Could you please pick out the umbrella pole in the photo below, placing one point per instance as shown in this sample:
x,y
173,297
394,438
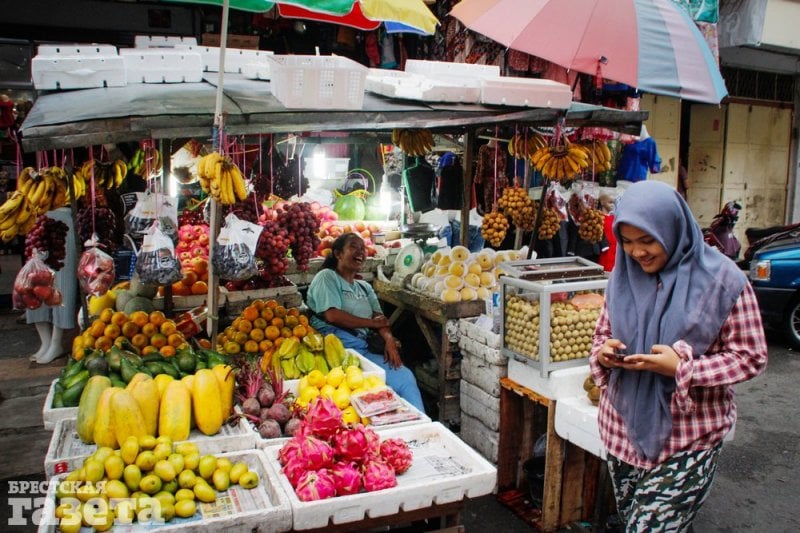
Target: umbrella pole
x,y
213,280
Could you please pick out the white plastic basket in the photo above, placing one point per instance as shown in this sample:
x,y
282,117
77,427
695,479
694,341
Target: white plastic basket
x,y
162,65
317,82
77,67
263,509
67,452
50,414
460,73
163,41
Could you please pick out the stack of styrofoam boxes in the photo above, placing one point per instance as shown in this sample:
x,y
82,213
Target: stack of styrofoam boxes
x,y
77,67
482,366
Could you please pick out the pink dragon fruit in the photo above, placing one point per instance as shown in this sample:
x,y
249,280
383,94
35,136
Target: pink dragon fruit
x,y
315,485
294,470
289,449
346,477
314,453
323,418
351,444
373,443
396,453
378,475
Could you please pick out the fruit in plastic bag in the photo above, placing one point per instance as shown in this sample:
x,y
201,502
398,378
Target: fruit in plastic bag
x,y
33,286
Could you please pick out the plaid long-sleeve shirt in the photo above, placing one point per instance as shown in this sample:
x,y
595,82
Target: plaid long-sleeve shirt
x,y
702,406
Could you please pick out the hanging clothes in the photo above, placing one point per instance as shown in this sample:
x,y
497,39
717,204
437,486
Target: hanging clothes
x,y
420,182
485,174
451,182
639,158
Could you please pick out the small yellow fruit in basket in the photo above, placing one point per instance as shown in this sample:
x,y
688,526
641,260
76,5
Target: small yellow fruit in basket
x,y
350,415
335,376
468,294
451,295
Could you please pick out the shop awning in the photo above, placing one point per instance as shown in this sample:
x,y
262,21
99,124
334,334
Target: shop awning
x,y
163,111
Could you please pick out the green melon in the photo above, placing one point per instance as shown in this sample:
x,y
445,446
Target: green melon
x,y
350,207
138,303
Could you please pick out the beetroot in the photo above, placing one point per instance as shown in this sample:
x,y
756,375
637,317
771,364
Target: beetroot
x,y
269,429
396,453
315,485
251,407
279,412
266,395
346,478
292,426
351,444
378,475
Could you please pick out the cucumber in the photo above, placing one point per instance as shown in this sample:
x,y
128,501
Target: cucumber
x,y
58,400
83,375
153,357
72,395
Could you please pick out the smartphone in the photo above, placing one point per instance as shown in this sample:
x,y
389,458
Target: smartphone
x,y
619,356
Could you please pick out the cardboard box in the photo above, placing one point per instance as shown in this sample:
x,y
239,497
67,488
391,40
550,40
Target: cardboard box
x,y
249,42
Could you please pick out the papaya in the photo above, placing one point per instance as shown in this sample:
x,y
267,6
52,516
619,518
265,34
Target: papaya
x,y
145,392
206,404
227,383
87,406
126,417
174,412
140,376
162,380
103,431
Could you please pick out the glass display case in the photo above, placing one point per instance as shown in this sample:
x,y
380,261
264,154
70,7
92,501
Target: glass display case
x,y
549,310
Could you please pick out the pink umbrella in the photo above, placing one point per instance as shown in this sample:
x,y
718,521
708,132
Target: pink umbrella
x,y
652,45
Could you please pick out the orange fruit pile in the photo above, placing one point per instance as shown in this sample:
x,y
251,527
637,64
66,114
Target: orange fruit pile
x,y
261,327
195,280
149,333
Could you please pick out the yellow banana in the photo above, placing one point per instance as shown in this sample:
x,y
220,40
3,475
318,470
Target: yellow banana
x,y
38,191
25,212
239,186
8,234
225,187
8,221
11,205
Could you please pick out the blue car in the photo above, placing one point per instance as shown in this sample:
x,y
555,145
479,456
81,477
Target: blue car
x,y
775,276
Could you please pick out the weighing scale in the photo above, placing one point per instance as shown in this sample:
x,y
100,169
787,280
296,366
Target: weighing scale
x,y
411,256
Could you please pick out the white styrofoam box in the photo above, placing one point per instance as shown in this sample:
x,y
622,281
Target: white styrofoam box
x,y
487,354
67,451
457,72
443,470
50,414
479,404
484,376
368,368
263,509
317,82
562,383
163,41
528,92
483,439
235,58
400,84
162,65
576,422
483,335
77,67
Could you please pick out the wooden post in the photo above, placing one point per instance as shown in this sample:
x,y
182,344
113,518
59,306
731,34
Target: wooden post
x,y
469,145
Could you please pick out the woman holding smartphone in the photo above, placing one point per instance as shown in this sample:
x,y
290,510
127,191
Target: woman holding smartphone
x,y
679,328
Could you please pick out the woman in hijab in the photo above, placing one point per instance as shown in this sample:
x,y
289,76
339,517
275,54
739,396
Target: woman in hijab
x,y
680,327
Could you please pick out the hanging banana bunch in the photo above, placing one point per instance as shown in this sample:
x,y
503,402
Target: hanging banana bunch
x,y
144,160
221,178
107,174
599,154
561,163
524,145
36,194
414,142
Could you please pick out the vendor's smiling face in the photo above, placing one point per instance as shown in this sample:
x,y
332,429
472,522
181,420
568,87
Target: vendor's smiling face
x,y
643,248
353,254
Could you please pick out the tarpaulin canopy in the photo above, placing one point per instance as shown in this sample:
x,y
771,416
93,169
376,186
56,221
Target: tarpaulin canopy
x,y
161,111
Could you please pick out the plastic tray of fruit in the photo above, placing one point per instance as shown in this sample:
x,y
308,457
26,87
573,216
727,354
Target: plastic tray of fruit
x,y
444,469
264,508
51,415
66,450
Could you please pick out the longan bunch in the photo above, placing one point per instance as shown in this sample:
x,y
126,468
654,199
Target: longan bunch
x,y
515,202
494,228
591,229
550,224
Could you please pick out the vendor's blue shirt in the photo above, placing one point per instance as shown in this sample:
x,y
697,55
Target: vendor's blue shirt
x,y
328,290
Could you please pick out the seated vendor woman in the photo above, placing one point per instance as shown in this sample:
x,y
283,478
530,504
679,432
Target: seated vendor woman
x,y
349,308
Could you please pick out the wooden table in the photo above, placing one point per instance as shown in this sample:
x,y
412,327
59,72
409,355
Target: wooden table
x,y
430,313
576,486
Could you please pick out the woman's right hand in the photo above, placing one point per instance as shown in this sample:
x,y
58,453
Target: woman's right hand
x,y
610,353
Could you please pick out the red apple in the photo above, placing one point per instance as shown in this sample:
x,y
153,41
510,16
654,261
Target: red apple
x,y
198,251
359,227
185,256
202,239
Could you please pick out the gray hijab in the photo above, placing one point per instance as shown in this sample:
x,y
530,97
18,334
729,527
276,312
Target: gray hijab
x,y
698,288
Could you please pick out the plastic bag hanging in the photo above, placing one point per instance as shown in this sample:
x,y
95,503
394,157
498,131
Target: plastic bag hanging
x,y
234,255
156,262
150,208
33,286
95,269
